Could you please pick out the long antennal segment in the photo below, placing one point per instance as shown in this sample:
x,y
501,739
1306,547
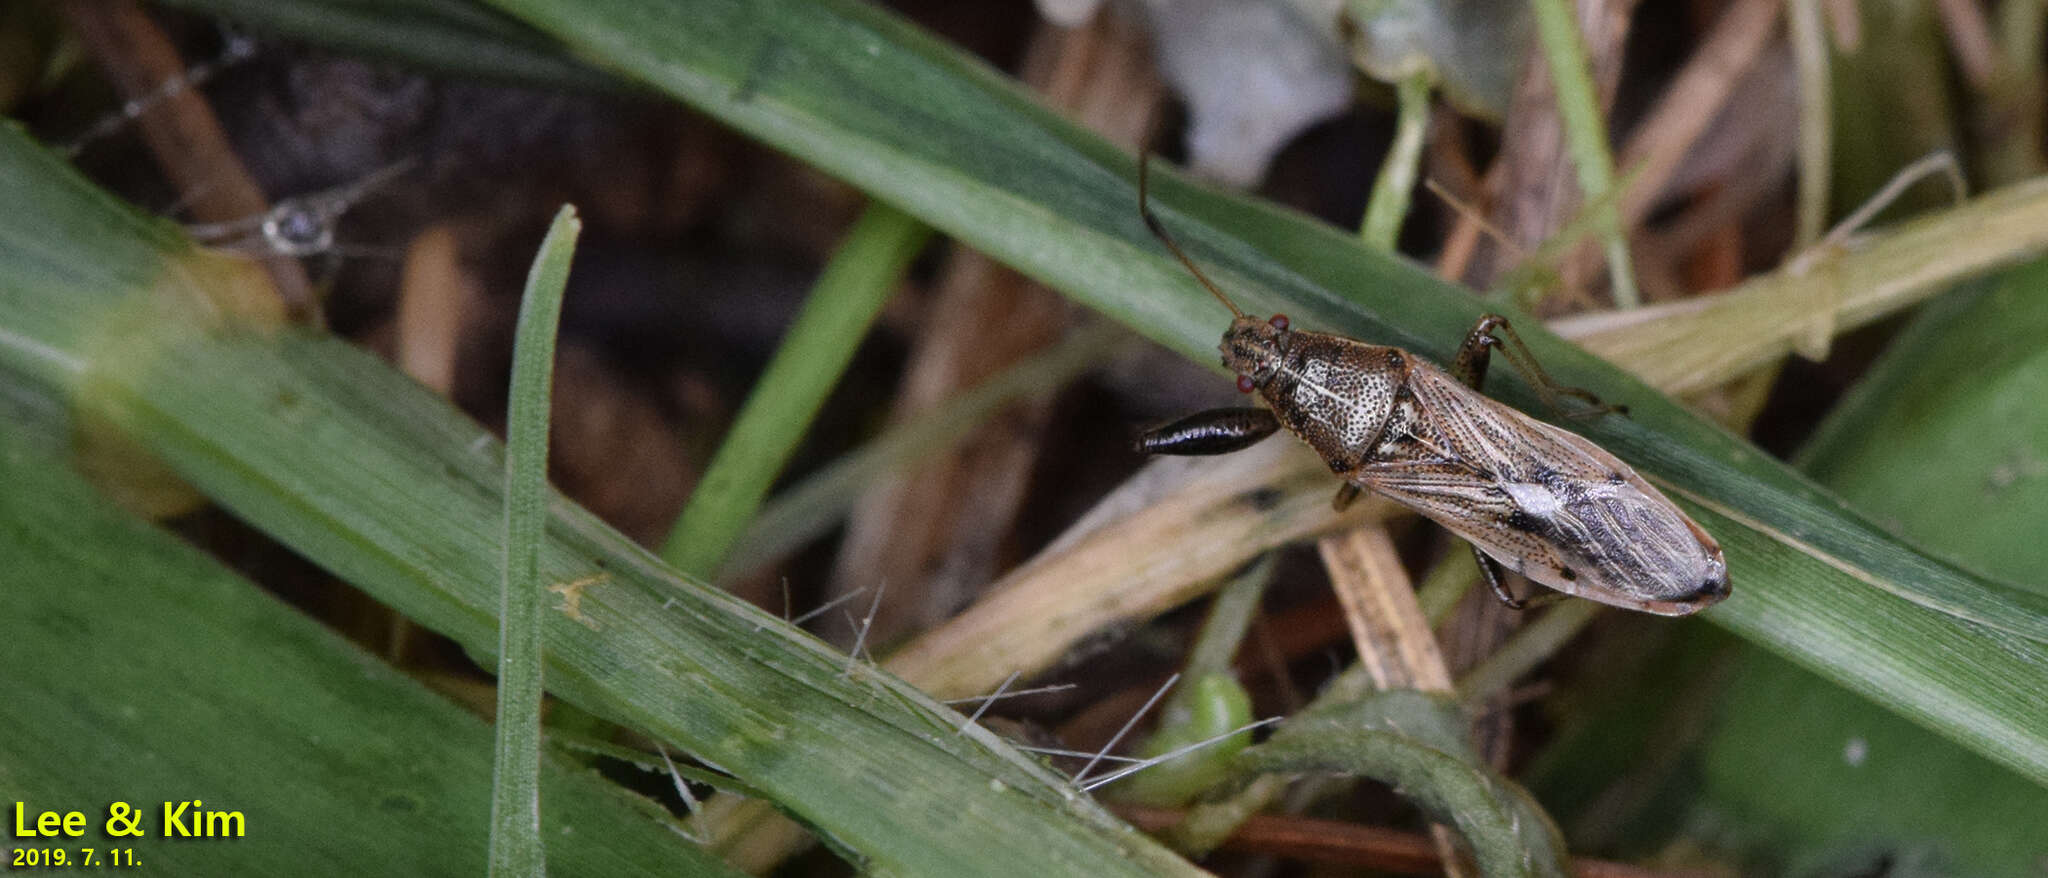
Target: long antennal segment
x,y
1159,231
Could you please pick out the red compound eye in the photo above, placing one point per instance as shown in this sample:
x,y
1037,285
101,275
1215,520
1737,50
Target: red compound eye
x,y
1245,385
1279,322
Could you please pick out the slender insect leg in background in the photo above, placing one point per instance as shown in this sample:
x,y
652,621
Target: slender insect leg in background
x,y
1493,331
1490,332
1346,495
1216,431
1491,569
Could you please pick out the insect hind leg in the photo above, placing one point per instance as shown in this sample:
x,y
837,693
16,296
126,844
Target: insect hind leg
x,y
1493,331
1494,574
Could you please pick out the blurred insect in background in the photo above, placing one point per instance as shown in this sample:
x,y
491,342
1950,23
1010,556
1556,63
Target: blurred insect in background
x,y
1537,499
298,226
295,227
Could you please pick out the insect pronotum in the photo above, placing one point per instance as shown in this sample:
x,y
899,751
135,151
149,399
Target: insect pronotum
x,y
1537,499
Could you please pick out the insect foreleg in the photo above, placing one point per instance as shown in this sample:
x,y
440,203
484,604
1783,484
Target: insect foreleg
x,y
1216,431
1493,331
1346,495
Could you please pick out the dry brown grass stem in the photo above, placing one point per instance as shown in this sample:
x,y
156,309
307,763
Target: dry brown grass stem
x,y
936,532
1693,344
1387,625
1691,103
1969,36
1180,523
1394,641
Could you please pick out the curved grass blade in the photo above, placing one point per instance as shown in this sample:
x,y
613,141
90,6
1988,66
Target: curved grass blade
x,y
1416,744
515,785
958,145
807,509
913,121
1946,437
141,671
909,119
363,471
455,36
863,273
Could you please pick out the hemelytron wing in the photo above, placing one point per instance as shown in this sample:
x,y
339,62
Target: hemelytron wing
x,y
1543,501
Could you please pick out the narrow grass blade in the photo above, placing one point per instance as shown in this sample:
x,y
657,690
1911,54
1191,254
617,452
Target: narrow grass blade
x,y
1585,131
808,509
364,472
850,88
1816,117
1946,437
865,270
1393,188
516,848
945,138
908,118
454,36
1416,744
140,671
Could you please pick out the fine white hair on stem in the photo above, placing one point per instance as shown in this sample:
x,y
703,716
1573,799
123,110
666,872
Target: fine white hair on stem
x,y
682,789
852,656
986,702
1477,217
1077,754
828,605
860,637
1176,753
59,359
1081,778
1014,693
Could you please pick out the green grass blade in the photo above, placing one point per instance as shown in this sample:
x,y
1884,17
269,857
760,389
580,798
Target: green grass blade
x,y
1946,437
916,122
811,507
1816,118
862,274
1416,743
1827,773
454,36
895,112
951,141
1392,189
141,671
516,847
1937,439
361,470
1585,131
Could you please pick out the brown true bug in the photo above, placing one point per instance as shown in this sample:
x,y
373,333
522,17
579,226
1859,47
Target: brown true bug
x,y
1543,501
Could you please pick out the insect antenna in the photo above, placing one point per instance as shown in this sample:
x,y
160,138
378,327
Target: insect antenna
x,y
1159,231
